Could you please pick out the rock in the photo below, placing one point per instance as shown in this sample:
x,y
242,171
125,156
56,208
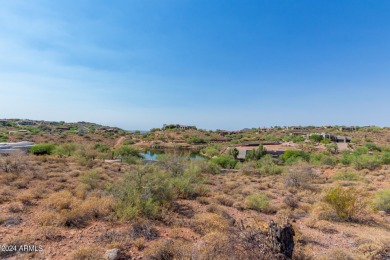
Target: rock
x,y
112,254
12,221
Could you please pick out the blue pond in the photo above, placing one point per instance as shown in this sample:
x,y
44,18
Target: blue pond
x,y
153,154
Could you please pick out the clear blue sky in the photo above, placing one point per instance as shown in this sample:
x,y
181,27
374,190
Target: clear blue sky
x,y
215,64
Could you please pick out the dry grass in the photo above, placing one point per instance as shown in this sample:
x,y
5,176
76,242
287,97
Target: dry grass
x,y
89,252
209,222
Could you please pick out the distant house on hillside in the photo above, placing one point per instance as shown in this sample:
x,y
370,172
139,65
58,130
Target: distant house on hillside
x,y
296,128
347,128
26,122
224,132
335,138
177,126
63,128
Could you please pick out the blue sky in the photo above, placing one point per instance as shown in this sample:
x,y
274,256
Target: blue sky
x,y
215,64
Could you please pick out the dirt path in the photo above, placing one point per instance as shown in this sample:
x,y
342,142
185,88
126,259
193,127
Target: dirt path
x,y
120,141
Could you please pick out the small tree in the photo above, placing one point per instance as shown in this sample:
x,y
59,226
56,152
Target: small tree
x,y
315,138
256,154
234,152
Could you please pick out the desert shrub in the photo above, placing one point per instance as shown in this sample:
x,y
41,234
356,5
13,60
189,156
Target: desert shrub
x,y
173,164
366,161
225,161
315,138
105,148
360,151
196,140
266,165
375,250
3,137
208,222
91,179
127,150
298,139
86,252
346,175
96,207
382,200
60,200
346,158
208,167
337,254
257,201
255,154
299,177
187,185
324,158
329,160
63,209
67,149
292,202
13,163
143,192
223,213
42,149
211,150
86,153
386,158
225,200
144,230
169,249
372,147
148,190
348,203
292,156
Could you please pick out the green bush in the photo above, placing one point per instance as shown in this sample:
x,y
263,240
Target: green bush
x,y
42,149
128,150
292,156
149,190
366,161
91,179
102,148
257,201
386,158
255,154
323,159
3,138
143,192
67,149
346,158
266,165
298,139
196,140
346,175
225,161
382,200
211,150
208,167
348,203
372,147
315,138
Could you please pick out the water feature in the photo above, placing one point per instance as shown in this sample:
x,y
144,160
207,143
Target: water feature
x,y
153,154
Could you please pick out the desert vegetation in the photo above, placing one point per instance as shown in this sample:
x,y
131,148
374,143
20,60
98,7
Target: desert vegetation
x,y
79,197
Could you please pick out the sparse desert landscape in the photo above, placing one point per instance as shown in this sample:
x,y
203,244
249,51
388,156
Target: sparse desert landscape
x,y
88,194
